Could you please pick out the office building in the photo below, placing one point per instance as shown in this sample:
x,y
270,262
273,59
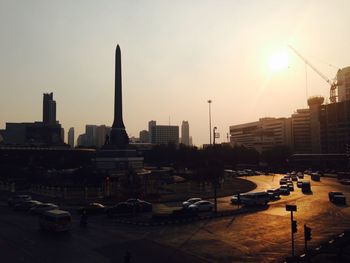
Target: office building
x,y
164,134
263,134
49,109
185,133
46,133
150,125
71,137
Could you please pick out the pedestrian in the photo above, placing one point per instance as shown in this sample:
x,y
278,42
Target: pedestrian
x,y
83,219
127,257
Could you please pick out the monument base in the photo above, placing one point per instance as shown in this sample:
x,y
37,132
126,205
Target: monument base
x,y
111,159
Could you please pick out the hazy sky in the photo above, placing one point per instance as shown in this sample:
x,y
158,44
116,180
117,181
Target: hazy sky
x,y
175,56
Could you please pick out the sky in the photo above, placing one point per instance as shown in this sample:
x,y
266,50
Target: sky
x,y
175,56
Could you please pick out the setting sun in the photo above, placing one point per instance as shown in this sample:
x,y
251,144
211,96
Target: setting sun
x,y
278,61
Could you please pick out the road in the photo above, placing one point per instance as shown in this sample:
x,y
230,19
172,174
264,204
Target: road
x,y
262,236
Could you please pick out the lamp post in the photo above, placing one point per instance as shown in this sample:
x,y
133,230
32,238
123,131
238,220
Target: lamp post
x,y
209,102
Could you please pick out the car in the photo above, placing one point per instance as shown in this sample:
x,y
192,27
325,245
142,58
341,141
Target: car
x,y
274,194
191,201
12,201
92,209
337,198
294,177
284,190
315,176
26,205
344,181
55,221
284,181
41,208
290,187
140,205
300,175
122,208
202,206
299,184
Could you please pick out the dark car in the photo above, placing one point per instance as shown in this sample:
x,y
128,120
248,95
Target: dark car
x,y
122,208
274,194
140,205
337,198
26,205
17,199
92,209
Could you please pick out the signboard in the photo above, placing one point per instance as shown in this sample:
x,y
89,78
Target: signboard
x,y
291,208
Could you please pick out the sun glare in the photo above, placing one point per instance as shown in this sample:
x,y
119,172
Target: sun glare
x,y
278,61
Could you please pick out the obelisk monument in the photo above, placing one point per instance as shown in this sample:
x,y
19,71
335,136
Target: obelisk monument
x,y
118,135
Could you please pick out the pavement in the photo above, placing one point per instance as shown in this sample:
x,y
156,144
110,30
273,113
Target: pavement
x,y
258,236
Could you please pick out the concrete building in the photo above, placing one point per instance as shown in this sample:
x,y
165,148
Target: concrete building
x,y
49,109
185,133
263,134
144,136
71,137
343,80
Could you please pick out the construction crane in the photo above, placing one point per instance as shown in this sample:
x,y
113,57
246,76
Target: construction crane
x,y
333,84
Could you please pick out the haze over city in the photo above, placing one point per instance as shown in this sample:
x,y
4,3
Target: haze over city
x,y
176,56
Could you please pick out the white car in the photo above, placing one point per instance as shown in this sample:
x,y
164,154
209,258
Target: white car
x,y
202,206
41,208
191,201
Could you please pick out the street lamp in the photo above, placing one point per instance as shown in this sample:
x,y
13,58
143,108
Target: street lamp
x,y
209,102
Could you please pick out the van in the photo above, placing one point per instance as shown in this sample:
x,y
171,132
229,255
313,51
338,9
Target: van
x,y
55,221
306,187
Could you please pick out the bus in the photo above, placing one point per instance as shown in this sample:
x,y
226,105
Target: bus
x,y
55,221
252,198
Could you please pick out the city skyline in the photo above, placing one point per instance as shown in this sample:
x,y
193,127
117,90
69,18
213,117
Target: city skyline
x,y
222,55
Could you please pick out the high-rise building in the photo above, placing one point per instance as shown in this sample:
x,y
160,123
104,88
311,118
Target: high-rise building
x,y
301,133
343,81
49,109
71,137
185,133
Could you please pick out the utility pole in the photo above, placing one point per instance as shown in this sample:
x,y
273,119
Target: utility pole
x,y
209,102
294,229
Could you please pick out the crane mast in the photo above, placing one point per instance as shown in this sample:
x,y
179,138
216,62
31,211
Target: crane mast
x,y
333,95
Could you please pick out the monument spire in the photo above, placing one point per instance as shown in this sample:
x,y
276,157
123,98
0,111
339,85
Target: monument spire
x,y
118,134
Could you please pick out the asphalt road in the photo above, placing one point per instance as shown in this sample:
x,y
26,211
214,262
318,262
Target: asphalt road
x,y
262,236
